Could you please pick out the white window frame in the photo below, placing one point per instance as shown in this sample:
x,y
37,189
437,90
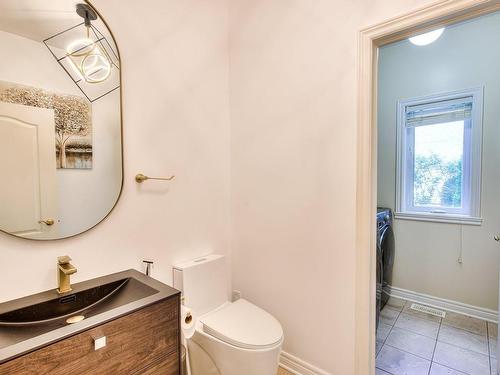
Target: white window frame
x,y
471,180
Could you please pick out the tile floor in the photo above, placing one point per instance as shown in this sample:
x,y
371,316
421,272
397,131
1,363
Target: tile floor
x,y
414,343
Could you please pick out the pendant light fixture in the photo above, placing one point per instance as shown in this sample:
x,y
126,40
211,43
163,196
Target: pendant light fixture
x,y
86,55
91,61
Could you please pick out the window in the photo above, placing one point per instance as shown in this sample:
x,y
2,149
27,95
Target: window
x,y
439,157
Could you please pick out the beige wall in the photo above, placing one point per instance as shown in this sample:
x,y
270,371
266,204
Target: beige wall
x,y
293,165
175,119
427,253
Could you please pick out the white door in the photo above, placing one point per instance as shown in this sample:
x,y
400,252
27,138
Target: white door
x,y
28,193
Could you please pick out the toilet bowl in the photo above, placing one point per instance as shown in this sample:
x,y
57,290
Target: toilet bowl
x,y
231,338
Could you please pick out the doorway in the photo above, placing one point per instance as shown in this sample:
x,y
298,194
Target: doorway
x,y
372,40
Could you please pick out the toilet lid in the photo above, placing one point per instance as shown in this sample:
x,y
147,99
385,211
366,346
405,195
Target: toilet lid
x,y
244,325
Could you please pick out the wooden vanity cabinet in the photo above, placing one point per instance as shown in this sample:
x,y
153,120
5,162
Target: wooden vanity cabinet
x,y
146,341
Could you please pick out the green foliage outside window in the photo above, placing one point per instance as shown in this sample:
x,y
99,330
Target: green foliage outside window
x,y
437,182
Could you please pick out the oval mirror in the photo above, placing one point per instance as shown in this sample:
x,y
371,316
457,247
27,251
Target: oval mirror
x,y
60,119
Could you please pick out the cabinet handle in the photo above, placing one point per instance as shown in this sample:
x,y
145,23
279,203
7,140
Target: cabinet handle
x,y
99,343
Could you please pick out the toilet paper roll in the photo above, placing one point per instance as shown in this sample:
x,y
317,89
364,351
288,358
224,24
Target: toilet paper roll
x,y
188,322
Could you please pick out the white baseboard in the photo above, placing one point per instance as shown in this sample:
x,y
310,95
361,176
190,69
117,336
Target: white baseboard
x,y
445,304
299,367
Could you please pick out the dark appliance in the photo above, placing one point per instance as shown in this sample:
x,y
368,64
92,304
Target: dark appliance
x,y
385,256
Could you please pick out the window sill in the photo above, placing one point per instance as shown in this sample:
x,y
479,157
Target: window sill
x,y
438,218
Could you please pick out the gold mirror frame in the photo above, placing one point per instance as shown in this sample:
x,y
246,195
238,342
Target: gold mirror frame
x,y
121,147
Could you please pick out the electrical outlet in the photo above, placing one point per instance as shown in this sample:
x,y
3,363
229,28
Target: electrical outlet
x,y
236,295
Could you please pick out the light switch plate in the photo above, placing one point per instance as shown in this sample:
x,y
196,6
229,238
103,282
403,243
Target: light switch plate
x,y
99,343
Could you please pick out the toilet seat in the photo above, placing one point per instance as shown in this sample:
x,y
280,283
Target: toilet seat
x,y
244,325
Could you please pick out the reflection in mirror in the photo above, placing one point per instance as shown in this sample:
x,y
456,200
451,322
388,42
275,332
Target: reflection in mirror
x,y
60,119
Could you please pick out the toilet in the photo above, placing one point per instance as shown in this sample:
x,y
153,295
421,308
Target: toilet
x,y
230,338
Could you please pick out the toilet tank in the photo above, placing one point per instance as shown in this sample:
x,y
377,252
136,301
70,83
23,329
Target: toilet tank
x,y
203,282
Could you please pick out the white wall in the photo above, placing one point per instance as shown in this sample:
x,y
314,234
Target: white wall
x,y
175,119
30,63
427,253
85,196
293,165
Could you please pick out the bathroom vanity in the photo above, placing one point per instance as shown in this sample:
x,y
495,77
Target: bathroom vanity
x,y
126,323
61,105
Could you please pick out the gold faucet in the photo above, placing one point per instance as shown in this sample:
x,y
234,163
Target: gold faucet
x,y
64,270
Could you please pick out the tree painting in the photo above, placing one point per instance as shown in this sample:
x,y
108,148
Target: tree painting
x,y
72,118
72,121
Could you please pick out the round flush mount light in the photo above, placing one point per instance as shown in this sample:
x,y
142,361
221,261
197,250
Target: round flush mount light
x,y
426,38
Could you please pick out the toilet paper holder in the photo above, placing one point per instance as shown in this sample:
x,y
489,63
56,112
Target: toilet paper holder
x,y
189,317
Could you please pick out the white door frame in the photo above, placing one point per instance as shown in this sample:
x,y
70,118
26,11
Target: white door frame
x,y
369,40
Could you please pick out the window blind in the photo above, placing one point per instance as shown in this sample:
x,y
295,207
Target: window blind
x,y
439,112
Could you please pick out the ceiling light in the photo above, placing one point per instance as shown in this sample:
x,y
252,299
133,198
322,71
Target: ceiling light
x,y
87,56
91,61
426,38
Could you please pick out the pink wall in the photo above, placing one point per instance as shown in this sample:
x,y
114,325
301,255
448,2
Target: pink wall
x,y
293,159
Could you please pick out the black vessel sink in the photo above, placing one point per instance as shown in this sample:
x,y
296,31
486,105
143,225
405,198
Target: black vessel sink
x,y
62,307
34,321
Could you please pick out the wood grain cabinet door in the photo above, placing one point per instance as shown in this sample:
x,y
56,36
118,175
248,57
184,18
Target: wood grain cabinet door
x,y
144,342
167,366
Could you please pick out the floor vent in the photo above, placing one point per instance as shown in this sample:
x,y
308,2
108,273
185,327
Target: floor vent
x,y
427,310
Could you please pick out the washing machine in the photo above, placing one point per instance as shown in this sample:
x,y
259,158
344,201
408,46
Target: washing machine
x,y
385,256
